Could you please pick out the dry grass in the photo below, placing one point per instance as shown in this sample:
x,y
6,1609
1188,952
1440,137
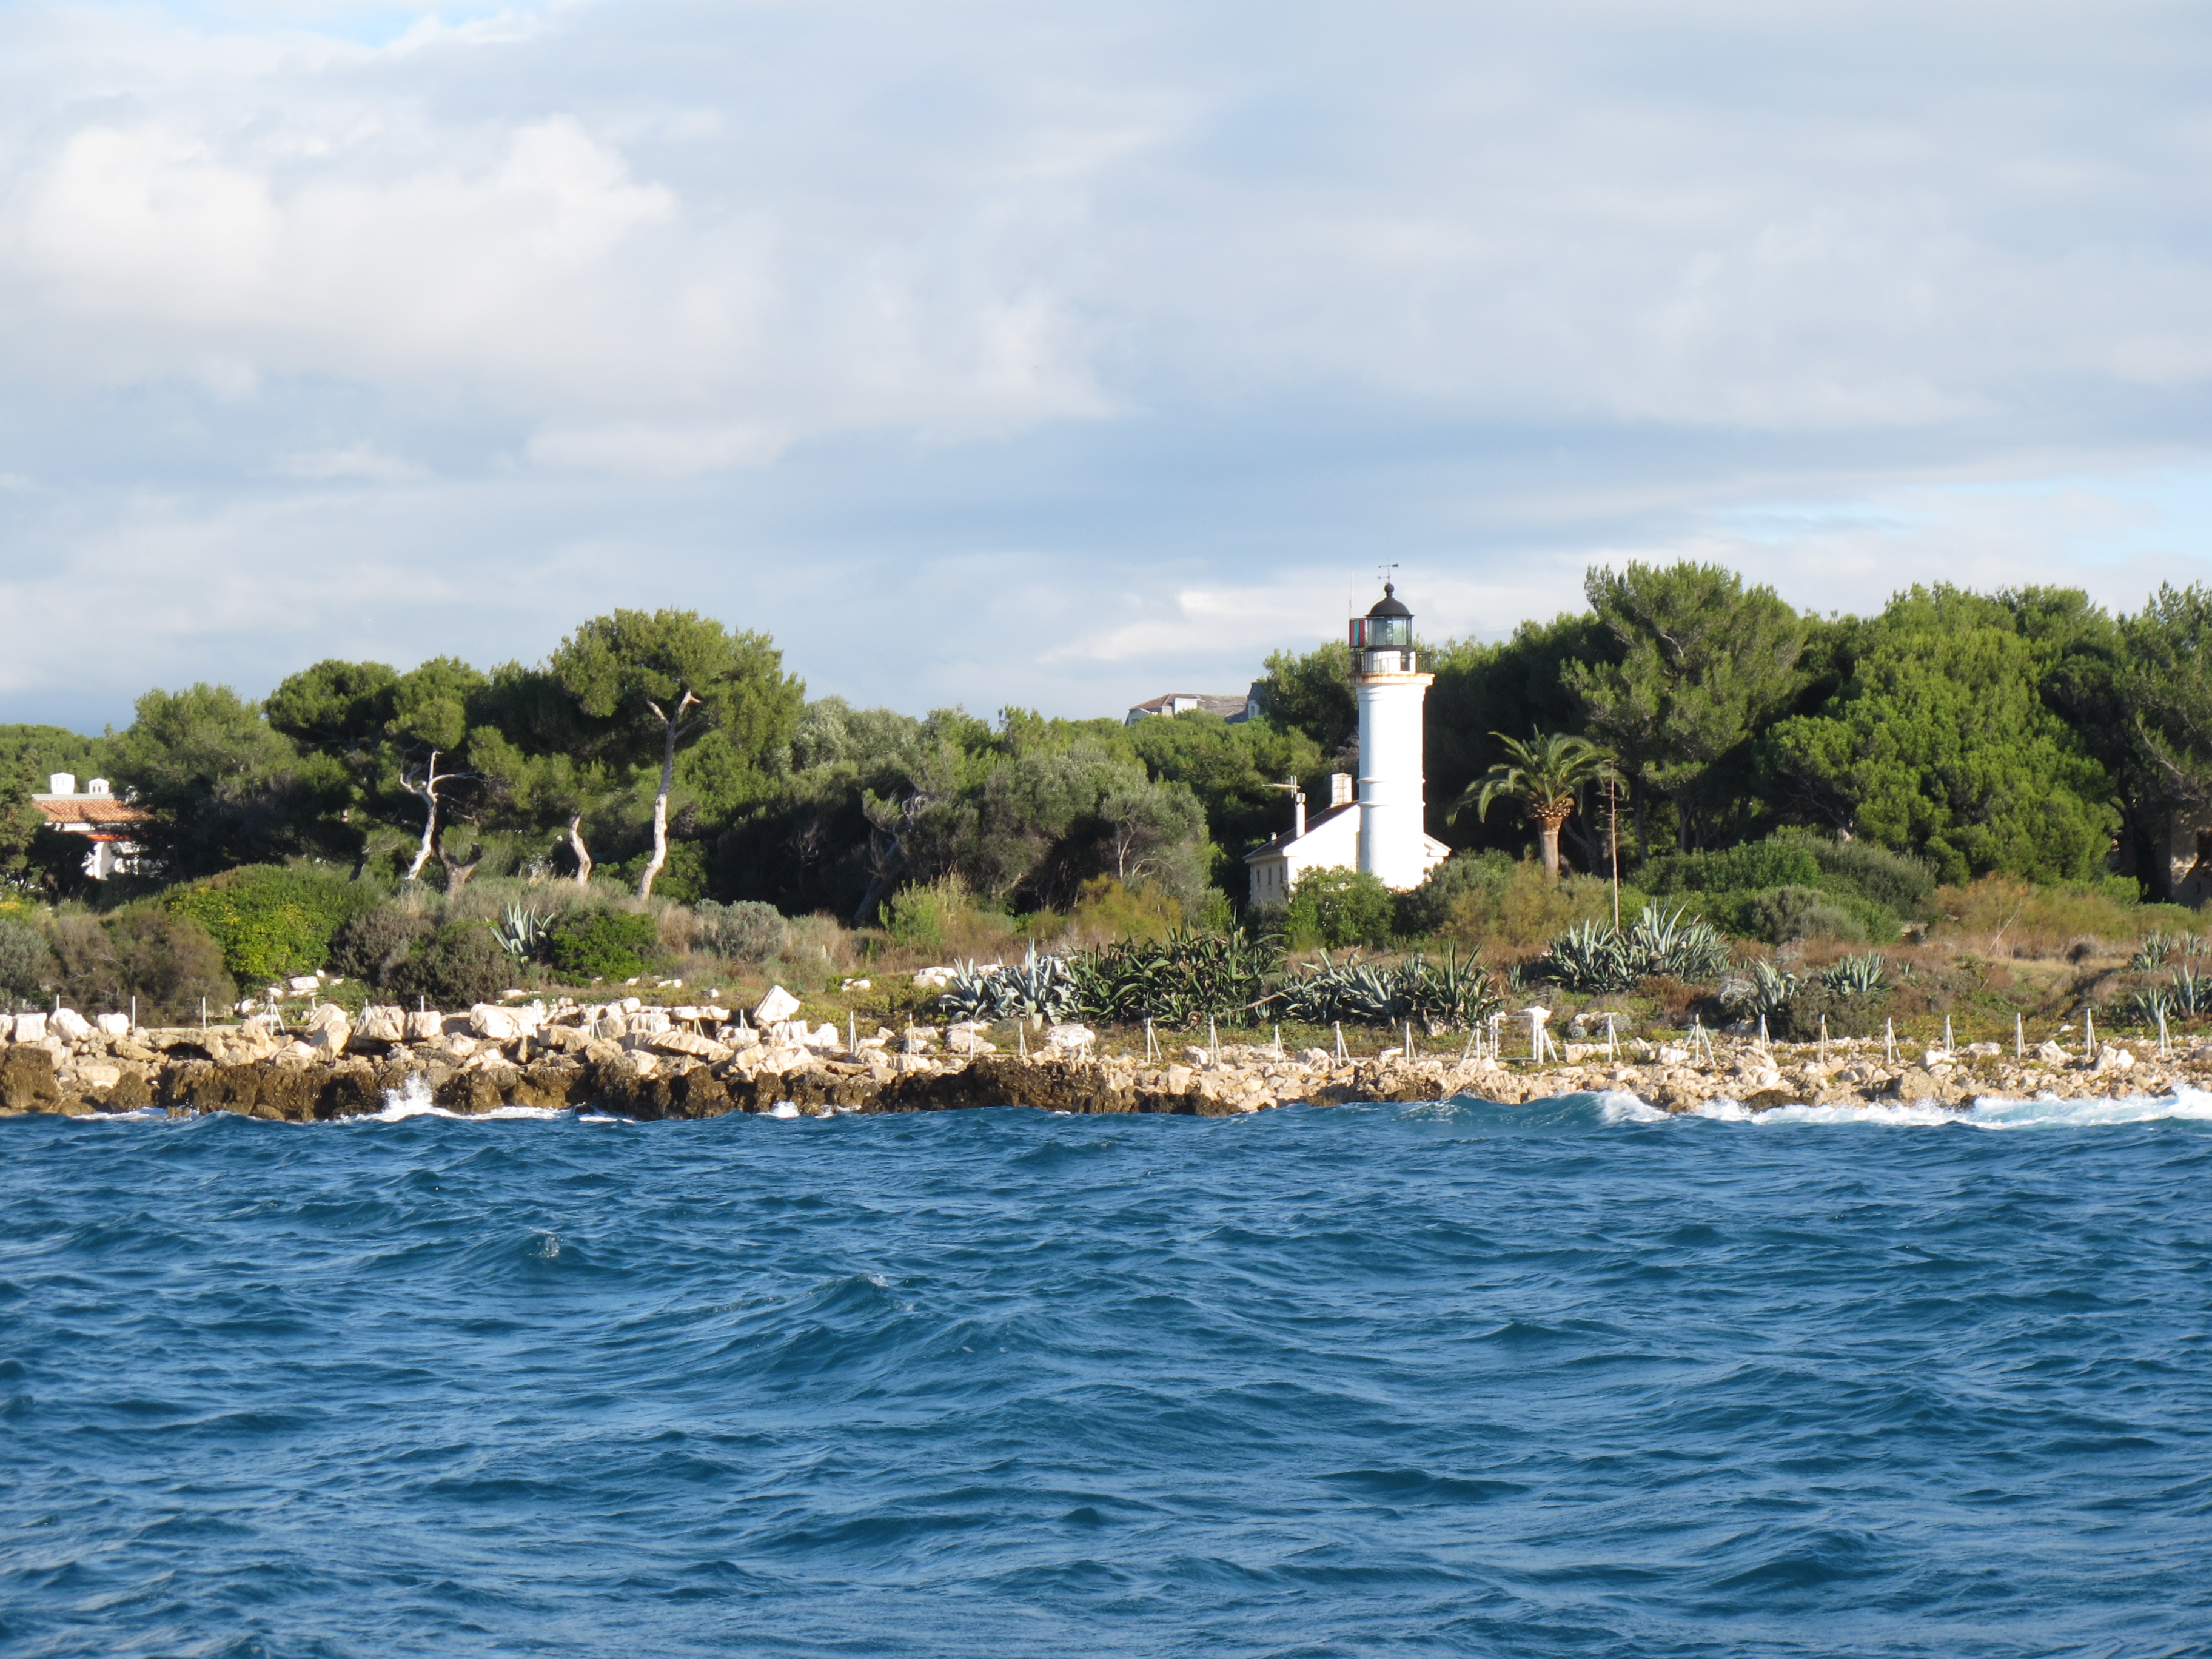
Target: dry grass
x,y
2005,916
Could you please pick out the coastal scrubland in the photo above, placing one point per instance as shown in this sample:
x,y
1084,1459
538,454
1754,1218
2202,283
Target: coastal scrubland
x,y
1951,822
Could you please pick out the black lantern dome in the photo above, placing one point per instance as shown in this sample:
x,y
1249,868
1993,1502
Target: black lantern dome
x,y
1385,635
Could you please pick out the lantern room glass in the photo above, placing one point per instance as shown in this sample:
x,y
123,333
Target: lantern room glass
x,y
1381,633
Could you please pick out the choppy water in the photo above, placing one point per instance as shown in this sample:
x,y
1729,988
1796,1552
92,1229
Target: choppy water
x,y
1451,1379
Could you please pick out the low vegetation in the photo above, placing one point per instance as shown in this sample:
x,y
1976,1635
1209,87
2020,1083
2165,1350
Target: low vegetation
x,y
1957,809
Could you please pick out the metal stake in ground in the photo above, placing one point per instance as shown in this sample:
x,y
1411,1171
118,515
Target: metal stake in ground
x,y
2019,1037
1889,1039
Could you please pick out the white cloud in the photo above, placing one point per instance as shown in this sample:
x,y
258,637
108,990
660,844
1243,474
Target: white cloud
x,y
359,461
1203,310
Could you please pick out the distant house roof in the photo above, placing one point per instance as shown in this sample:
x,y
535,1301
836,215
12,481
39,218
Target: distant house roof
x,y
1181,702
64,810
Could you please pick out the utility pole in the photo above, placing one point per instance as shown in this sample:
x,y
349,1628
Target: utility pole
x,y
1613,805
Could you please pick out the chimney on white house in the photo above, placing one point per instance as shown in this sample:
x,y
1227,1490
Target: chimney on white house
x,y
62,783
1340,789
97,786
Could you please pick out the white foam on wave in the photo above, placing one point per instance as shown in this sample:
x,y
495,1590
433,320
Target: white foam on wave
x,y
1619,1106
412,1099
2045,1111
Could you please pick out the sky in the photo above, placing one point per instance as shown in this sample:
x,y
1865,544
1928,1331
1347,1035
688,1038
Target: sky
x,y
1061,354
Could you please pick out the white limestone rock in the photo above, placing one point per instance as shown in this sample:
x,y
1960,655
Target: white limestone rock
x,y
383,1024
497,1024
778,1006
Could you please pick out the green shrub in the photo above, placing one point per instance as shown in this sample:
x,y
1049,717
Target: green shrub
x,y
1898,882
929,915
1107,909
1782,914
744,931
1339,907
1749,868
1428,909
602,945
169,962
684,876
1796,884
460,963
1848,1015
27,964
370,945
271,921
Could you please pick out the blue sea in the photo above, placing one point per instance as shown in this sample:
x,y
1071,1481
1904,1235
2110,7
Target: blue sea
x,y
1458,1378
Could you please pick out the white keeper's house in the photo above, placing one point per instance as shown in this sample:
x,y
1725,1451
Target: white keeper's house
x,y
1376,825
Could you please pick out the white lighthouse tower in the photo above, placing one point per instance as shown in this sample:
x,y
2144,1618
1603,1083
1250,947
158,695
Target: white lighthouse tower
x,y
1393,844
1379,829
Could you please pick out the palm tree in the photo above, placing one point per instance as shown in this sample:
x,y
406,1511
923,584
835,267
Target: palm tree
x,y
1544,774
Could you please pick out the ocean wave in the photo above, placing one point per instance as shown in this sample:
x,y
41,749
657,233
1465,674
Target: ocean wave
x,y
1612,1108
2045,1111
412,1099
1549,1379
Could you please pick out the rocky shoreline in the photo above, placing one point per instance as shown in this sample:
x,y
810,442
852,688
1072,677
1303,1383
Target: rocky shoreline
x,y
698,1062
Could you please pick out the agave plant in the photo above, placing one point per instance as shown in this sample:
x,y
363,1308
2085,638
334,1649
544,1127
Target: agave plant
x,y
521,934
1760,988
2193,993
2152,950
1452,995
2150,1005
1181,981
1862,976
1669,945
1036,987
1590,957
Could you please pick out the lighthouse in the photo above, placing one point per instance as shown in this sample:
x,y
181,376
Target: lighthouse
x,y
1373,824
1386,678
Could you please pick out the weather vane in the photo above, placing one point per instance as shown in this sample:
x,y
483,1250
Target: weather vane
x,y
1387,580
